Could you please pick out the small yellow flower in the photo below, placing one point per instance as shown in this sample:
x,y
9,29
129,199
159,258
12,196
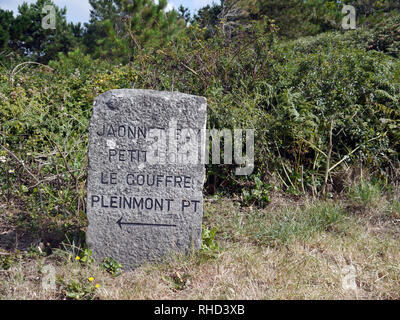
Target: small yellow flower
x,y
11,171
91,279
97,285
78,258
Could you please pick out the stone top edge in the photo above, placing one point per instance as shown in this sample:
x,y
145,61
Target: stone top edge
x,y
147,92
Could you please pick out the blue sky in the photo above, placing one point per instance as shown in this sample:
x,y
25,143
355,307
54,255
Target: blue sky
x,y
78,10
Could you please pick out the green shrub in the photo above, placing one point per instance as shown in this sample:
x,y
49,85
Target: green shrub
x,y
386,36
289,92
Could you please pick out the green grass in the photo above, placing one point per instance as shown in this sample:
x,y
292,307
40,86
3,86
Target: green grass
x,y
288,250
366,194
298,224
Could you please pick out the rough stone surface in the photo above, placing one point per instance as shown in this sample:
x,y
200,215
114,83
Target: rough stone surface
x,y
145,176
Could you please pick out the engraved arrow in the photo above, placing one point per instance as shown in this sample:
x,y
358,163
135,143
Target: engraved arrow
x,y
120,223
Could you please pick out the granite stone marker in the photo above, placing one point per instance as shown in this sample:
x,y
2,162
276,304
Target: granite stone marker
x,y
145,175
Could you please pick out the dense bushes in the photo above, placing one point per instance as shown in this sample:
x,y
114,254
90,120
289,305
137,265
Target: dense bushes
x,y
294,94
386,36
290,92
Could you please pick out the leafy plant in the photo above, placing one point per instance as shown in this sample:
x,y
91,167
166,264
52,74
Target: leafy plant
x,y
6,261
258,195
76,248
210,248
86,256
79,290
177,281
111,266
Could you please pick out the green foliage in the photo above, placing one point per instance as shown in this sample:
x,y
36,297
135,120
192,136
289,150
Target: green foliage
x,y
134,26
75,248
6,261
367,194
208,17
296,18
386,37
29,38
184,13
210,248
79,289
112,266
177,281
288,91
6,20
208,239
393,208
292,92
258,195
86,256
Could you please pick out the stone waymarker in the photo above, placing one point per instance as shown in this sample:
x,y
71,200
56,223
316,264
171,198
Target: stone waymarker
x,y
145,175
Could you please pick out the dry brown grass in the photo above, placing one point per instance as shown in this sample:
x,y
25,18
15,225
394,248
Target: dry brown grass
x,y
247,267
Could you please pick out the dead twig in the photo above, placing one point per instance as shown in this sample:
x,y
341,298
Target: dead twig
x,y
14,71
21,162
66,164
328,161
